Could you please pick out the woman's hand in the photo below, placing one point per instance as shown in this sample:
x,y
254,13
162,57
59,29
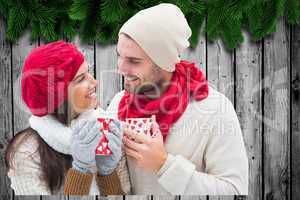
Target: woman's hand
x,y
85,138
107,164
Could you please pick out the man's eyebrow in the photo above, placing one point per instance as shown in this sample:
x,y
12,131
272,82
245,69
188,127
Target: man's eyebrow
x,y
130,57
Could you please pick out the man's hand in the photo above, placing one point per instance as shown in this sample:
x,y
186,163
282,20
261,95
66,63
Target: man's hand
x,y
148,152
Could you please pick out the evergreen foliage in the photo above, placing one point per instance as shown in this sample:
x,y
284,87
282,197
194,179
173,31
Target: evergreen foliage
x,y
100,20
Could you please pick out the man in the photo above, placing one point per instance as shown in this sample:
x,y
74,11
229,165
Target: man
x,y
200,149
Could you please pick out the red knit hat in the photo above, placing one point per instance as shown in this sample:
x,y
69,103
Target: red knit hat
x,y
46,74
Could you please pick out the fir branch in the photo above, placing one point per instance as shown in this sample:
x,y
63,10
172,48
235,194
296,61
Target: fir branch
x,y
101,20
199,7
89,25
231,32
17,22
111,10
35,30
293,11
195,22
69,29
4,7
184,5
79,9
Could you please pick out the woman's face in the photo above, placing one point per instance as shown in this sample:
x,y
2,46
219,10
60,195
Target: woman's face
x,y
82,90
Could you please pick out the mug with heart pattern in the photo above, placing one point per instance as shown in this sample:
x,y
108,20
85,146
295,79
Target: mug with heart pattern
x,y
140,125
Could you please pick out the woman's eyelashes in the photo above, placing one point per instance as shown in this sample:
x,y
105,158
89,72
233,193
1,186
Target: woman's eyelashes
x,y
84,76
81,78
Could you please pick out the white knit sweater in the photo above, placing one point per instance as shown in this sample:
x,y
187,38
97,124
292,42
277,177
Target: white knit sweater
x,y
206,153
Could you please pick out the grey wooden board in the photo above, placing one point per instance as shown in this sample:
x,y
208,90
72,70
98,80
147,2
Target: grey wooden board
x,y
249,109
295,109
71,197
55,197
158,197
26,197
220,68
5,109
198,54
20,50
109,197
115,197
138,197
106,73
239,197
193,197
276,114
221,198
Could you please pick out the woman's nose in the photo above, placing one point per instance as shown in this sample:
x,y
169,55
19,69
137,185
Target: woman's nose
x,y
93,81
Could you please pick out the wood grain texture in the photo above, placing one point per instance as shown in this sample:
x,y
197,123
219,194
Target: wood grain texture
x,y
193,197
20,50
106,73
158,197
138,197
55,197
71,197
221,198
220,64
276,114
5,109
295,109
115,197
249,109
198,54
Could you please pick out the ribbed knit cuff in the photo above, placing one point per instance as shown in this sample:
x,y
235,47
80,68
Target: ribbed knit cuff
x,y
77,183
110,184
166,165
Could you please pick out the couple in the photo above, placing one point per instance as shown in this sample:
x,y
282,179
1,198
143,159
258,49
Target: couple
x,y
197,148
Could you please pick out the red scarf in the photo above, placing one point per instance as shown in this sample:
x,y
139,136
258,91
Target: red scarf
x,y
187,82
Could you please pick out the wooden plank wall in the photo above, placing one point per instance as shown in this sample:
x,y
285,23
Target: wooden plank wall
x,y
262,79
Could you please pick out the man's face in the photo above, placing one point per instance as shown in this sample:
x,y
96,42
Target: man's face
x,y
140,72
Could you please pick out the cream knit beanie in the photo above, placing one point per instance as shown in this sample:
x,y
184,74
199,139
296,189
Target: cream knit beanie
x,y
162,32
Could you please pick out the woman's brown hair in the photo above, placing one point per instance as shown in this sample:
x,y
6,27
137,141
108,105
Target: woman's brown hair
x,y
54,165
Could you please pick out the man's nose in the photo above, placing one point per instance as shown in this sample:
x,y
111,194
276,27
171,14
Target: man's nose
x,y
122,68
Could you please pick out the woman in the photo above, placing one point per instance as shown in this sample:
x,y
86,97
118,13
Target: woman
x,y
60,93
